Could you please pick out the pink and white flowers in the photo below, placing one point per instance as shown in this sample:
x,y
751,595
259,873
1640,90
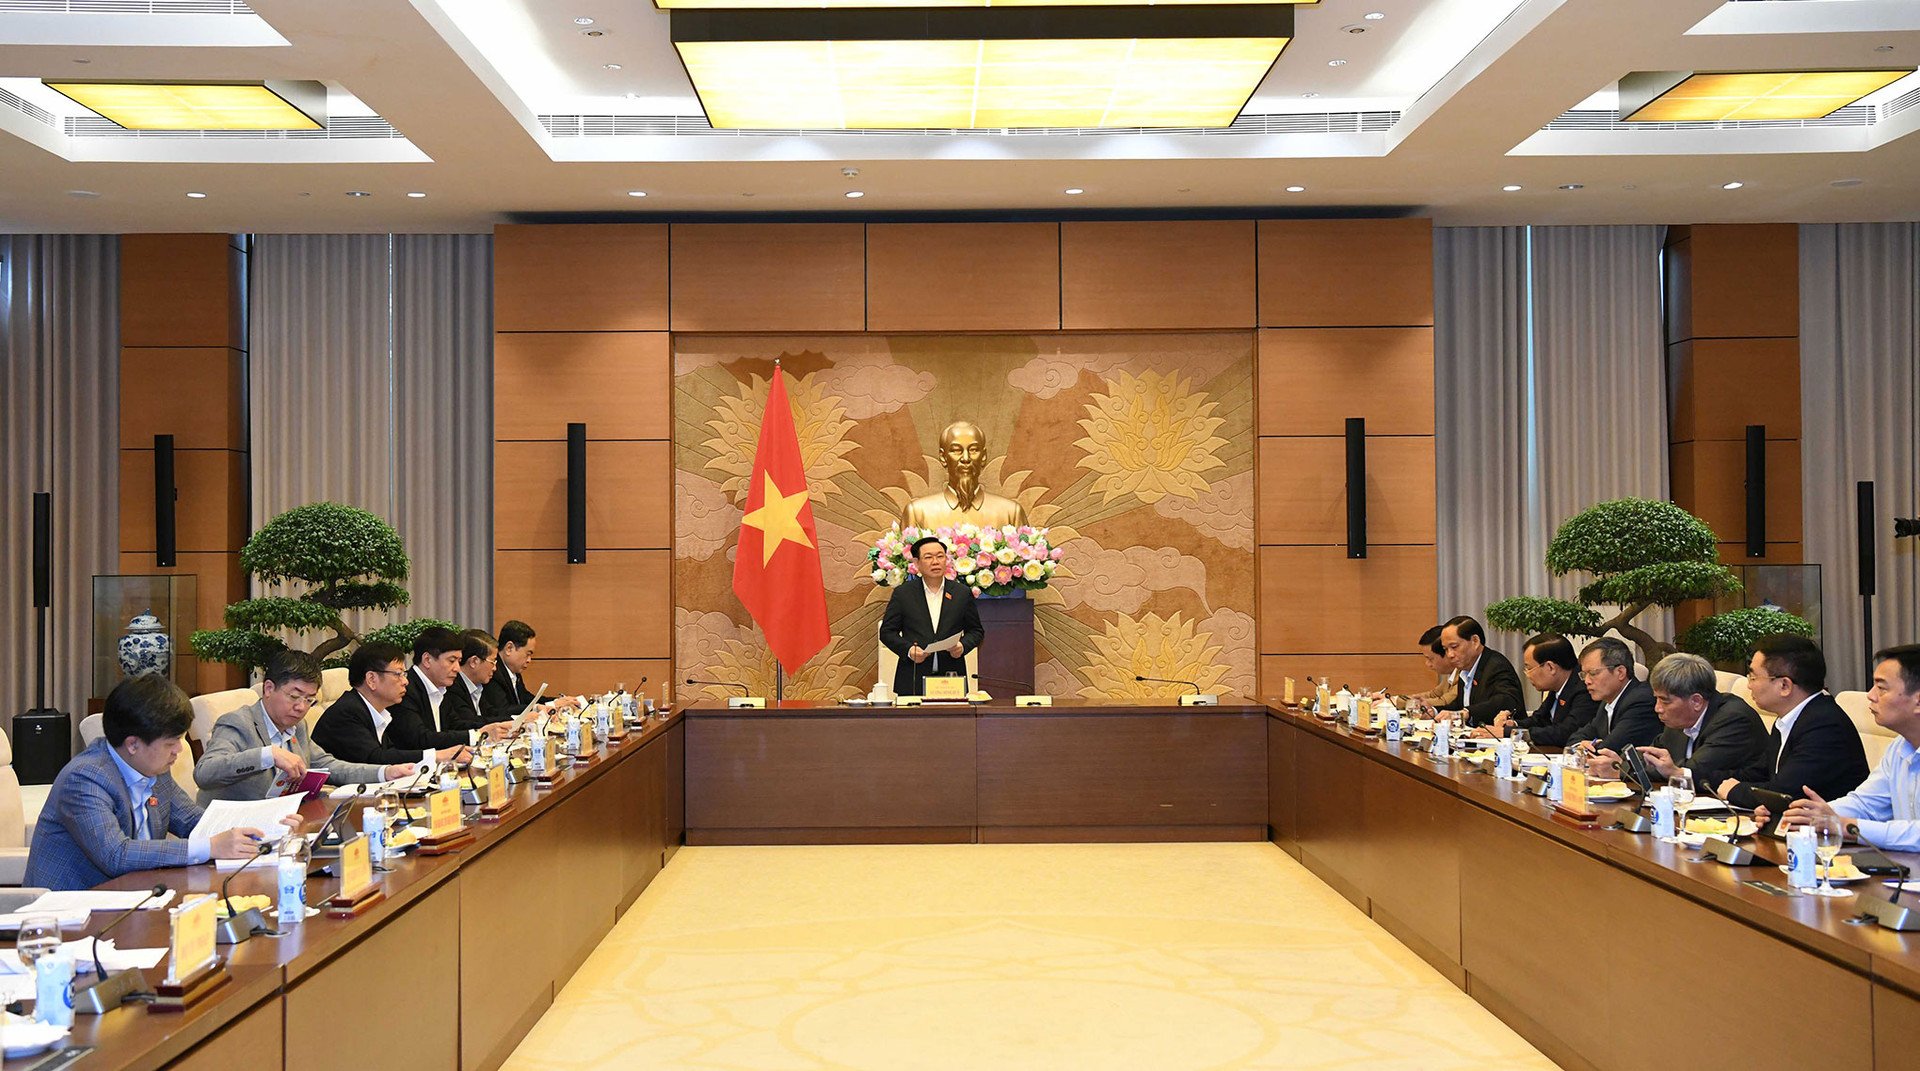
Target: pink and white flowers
x,y
992,561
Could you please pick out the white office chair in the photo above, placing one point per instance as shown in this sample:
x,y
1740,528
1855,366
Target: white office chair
x,y
333,684
13,821
209,708
91,729
1872,737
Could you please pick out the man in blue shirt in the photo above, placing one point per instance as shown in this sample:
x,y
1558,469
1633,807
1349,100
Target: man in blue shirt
x,y
1885,810
114,809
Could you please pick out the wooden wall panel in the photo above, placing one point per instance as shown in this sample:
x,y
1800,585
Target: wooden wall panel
x,y
420,944
1346,272
617,383
1711,477
584,676
617,604
1152,275
188,393
253,1040
629,495
769,277
1312,380
963,277
1714,395
1745,280
210,506
1316,599
1400,673
179,290
1303,490
580,277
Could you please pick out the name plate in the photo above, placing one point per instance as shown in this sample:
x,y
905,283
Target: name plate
x,y
1032,700
946,687
496,785
356,868
1573,789
1363,714
191,942
586,739
443,811
747,702
1288,681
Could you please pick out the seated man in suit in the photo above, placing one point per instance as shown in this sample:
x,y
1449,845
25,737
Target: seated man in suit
x,y
928,609
1885,810
1434,654
353,728
1623,714
1488,684
1550,666
1813,742
115,809
1709,733
263,749
417,722
479,662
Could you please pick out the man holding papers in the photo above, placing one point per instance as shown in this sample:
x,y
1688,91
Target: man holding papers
x,y
263,749
114,809
930,623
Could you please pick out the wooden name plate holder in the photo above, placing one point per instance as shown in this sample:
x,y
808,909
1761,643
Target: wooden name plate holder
x,y
498,803
448,829
1573,808
184,994
344,906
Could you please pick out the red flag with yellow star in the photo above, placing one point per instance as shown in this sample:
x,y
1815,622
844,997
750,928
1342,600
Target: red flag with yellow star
x,y
776,568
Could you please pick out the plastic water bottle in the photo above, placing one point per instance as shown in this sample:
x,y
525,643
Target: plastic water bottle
x,y
293,885
537,752
1503,758
1442,740
373,825
1800,857
1392,714
602,725
53,988
1662,813
573,736
1555,763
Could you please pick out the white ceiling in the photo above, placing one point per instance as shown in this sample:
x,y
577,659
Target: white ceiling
x,y
463,84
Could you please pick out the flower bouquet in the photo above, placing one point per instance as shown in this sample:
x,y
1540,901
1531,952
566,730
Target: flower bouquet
x,y
992,561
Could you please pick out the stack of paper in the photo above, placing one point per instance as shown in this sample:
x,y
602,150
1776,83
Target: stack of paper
x,y
57,903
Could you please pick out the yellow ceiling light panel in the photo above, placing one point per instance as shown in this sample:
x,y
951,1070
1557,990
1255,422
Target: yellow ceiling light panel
x,y
979,68
1706,97
202,105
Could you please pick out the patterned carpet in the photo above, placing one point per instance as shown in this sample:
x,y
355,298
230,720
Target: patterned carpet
x,y
1162,957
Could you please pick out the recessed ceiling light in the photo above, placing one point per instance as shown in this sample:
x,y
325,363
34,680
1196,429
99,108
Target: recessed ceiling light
x,y
1573,186
1074,191
1309,95
1296,189
358,193
1731,185
593,33
855,193
196,195
1355,28
83,61
583,21
1876,48
1376,16
416,193
83,193
611,66
1510,189
1845,183
636,193
1336,63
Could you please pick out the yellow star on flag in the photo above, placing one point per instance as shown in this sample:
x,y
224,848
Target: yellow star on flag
x,y
778,519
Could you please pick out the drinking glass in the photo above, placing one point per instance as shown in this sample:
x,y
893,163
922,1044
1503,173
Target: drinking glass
x,y
387,803
1522,740
1681,784
1829,833
39,936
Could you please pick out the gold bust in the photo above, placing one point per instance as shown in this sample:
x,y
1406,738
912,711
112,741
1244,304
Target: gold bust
x,y
963,447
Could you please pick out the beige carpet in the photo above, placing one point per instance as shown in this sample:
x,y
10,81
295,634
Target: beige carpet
x,y
1162,957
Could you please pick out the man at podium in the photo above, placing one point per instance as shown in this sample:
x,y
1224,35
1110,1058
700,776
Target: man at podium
x,y
930,623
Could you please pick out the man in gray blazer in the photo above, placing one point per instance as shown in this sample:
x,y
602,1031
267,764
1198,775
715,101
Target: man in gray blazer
x,y
114,809
263,749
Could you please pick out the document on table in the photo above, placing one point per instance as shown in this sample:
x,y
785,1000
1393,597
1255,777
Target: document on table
x,y
72,919
59,903
81,951
263,815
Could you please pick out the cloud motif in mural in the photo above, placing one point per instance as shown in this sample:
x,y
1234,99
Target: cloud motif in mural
x,y
1122,580
869,384
1224,511
707,516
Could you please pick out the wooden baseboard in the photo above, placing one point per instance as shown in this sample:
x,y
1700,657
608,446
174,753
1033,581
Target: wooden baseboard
x,y
1119,834
840,835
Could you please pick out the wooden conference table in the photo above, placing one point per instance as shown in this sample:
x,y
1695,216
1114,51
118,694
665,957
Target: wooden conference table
x,y
451,968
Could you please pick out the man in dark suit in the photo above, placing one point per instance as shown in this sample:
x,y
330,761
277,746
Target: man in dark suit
x,y
418,718
1709,733
1565,707
508,693
929,608
479,662
1623,714
1813,744
354,726
1488,684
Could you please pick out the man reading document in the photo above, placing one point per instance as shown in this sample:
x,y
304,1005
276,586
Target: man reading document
x,y
931,622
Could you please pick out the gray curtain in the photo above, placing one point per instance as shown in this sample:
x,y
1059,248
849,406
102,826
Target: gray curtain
x,y
372,385
60,393
1860,407
1551,388
1484,444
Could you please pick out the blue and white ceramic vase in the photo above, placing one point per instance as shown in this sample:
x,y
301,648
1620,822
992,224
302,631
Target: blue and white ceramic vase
x,y
145,648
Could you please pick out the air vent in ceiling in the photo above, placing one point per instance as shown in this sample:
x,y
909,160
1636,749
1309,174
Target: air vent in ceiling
x,y
129,7
619,126
351,126
1595,119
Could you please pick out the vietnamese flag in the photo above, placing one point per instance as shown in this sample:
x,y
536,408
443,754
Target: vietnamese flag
x,y
776,568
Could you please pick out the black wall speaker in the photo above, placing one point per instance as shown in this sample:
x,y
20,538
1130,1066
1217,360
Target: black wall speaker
x,y
42,549
165,499
1756,490
1356,487
1864,531
576,493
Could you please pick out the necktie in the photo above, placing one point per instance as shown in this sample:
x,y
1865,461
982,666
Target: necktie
x,y
1775,734
141,829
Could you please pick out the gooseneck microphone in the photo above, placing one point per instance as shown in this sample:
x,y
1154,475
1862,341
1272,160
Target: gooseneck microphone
x,y
261,850
1195,685
99,970
744,690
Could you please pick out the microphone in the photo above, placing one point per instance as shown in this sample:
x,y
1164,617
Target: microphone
x,y
744,690
238,926
1195,698
226,895
110,991
99,971
1888,913
406,794
1195,685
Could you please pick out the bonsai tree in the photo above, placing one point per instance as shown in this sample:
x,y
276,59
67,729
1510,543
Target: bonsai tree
x,y
349,558
1642,554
